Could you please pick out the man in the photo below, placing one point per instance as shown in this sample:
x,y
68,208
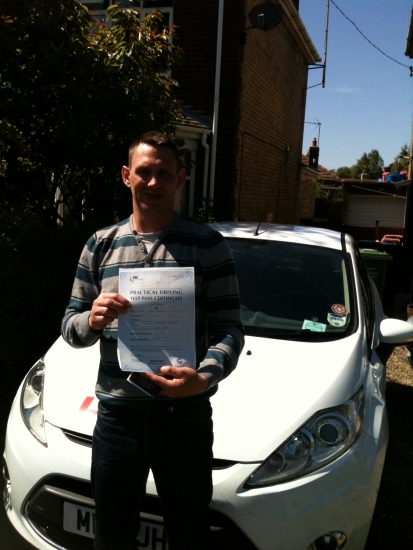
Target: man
x,y
172,434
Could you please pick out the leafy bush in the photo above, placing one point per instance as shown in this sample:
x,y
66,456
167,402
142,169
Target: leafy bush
x,y
36,276
73,95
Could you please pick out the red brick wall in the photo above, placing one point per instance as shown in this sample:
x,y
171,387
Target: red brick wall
x,y
306,194
272,103
261,109
197,36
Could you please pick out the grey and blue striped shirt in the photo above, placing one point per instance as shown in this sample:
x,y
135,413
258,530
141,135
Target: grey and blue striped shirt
x,y
219,330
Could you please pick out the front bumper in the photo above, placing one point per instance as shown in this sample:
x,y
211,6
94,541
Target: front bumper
x,y
290,516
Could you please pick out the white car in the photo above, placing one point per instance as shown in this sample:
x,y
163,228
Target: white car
x,y
301,426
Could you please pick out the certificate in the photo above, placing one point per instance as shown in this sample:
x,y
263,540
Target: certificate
x,y
159,328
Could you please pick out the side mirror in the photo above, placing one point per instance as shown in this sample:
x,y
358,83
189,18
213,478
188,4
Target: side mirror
x,y
395,331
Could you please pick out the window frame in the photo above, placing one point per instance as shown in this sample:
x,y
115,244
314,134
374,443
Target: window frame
x,y
367,293
100,14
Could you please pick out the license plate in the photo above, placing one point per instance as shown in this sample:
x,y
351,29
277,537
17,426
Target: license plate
x,y
81,520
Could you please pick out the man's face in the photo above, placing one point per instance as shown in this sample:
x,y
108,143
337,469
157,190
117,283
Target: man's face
x,y
154,178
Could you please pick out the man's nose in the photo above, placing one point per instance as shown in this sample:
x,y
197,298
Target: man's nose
x,y
153,179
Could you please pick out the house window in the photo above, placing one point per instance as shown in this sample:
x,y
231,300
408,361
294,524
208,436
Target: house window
x,y
164,6
157,4
97,8
95,4
151,4
147,6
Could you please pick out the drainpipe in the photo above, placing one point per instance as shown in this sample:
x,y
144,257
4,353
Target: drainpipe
x,y
192,185
216,98
206,163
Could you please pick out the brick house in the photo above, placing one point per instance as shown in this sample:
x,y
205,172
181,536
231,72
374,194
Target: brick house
x,y
243,124
324,211
307,192
308,182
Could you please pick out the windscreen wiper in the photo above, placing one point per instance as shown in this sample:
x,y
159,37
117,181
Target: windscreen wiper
x,y
305,332
302,332
296,333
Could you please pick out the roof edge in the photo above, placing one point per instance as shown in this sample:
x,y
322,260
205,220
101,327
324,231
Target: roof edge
x,y
192,130
308,168
409,43
297,26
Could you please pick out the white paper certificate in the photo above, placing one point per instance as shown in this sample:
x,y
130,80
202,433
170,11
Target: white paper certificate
x,y
159,328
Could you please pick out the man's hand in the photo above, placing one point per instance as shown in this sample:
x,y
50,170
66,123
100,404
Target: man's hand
x,y
185,381
105,308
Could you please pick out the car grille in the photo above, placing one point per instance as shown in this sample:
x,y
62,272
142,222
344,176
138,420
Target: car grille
x,y
44,512
86,440
80,439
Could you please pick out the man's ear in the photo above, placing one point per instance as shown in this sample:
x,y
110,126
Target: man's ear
x,y
126,176
181,178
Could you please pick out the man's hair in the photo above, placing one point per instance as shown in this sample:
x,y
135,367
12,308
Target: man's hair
x,y
157,139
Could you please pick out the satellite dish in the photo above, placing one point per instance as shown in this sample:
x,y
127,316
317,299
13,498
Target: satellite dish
x,y
265,16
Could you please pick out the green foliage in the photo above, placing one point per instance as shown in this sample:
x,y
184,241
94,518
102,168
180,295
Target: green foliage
x,y
208,213
320,192
401,162
371,163
73,96
37,270
344,172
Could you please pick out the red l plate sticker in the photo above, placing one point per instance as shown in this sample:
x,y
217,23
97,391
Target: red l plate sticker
x,y
338,309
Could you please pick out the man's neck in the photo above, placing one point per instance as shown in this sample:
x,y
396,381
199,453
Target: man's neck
x,y
151,224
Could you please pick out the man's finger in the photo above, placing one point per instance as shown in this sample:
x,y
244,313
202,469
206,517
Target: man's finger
x,y
185,381
161,380
114,301
175,372
106,308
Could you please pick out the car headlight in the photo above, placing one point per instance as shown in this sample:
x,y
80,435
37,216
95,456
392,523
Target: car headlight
x,y
31,402
323,438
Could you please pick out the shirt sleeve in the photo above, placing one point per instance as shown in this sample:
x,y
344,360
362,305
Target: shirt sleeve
x,y
86,288
223,315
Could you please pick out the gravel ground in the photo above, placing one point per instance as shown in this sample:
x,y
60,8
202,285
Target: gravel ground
x,y
392,526
399,370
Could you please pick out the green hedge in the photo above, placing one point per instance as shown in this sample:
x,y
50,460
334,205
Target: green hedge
x,y
36,276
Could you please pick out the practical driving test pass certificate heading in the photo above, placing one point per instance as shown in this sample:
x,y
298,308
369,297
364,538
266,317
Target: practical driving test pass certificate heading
x,y
159,328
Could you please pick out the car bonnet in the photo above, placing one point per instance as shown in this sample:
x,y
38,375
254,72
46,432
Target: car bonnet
x,y
277,386
69,388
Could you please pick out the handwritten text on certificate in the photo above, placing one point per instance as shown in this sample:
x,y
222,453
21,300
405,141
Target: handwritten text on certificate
x,y
159,328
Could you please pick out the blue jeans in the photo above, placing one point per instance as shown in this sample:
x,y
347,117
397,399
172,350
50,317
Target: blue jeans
x,y
177,446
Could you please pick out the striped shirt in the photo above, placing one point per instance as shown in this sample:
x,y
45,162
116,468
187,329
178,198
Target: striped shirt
x,y
219,331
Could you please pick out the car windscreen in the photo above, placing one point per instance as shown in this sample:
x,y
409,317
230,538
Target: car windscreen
x,y
291,290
